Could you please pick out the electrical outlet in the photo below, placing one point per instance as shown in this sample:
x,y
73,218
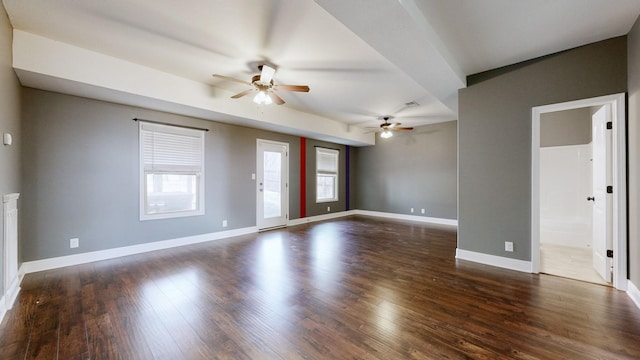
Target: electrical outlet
x,y
508,246
422,211
328,208
411,210
224,223
74,243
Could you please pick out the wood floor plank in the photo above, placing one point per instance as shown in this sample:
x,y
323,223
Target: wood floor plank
x,y
100,336
17,325
46,323
352,288
72,339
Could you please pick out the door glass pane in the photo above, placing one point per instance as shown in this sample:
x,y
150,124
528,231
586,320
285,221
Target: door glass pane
x,y
272,193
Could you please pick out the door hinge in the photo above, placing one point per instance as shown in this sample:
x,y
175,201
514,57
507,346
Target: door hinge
x,y
609,253
609,189
609,125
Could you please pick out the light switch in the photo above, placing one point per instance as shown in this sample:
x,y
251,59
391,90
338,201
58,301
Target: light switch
x,y
7,139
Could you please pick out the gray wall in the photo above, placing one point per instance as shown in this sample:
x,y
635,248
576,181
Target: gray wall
x,y
9,123
634,152
569,127
495,138
80,176
412,169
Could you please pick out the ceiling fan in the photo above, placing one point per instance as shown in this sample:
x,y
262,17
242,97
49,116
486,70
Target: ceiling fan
x,y
264,86
386,127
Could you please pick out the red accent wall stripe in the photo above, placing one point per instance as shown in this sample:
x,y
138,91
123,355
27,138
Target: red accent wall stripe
x,y
303,177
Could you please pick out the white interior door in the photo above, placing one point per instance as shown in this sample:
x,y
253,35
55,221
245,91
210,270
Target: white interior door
x,y
272,184
602,201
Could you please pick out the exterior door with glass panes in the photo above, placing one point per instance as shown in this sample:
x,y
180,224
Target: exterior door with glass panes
x,y
272,186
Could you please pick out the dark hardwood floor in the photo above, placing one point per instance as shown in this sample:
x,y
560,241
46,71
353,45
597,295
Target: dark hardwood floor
x,y
354,288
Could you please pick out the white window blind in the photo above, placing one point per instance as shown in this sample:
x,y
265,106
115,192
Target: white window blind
x,y
171,171
327,161
171,148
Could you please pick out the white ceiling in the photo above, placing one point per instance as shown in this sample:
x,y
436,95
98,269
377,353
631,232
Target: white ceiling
x,y
361,58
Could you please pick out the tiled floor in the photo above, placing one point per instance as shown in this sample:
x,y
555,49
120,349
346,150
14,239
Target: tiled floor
x,y
570,262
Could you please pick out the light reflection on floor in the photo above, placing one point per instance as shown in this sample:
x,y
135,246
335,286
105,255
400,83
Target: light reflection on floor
x,y
327,256
274,290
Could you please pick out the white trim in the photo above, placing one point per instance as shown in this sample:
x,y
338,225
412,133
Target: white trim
x,y
10,253
83,258
493,260
12,290
322,217
425,219
3,309
10,197
633,293
617,102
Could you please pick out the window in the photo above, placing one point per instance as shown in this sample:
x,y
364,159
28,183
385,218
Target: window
x,y
326,175
171,171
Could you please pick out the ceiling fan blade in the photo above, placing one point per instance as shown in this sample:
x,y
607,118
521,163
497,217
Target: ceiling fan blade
x,y
231,79
244,93
299,88
267,74
276,99
401,128
395,125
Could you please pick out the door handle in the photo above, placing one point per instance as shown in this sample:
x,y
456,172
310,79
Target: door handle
x,y
260,187
591,198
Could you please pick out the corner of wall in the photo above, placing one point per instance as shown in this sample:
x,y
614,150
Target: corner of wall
x,y
633,151
633,293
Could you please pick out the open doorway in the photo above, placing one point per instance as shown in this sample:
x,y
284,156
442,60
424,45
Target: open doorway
x,y
567,196
571,235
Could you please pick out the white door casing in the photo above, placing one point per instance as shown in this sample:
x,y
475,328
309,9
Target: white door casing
x,y
619,180
272,184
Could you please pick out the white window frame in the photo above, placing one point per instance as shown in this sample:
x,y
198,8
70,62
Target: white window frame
x,y
178,169
321,172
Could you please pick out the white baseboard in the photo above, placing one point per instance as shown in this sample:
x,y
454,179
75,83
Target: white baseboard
x,y
12,292
83,258
9,298
322,217
426,219
493,260
633,293
3,309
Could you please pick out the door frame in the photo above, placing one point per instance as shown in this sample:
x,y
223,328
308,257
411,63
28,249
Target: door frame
x,y
619,152
285,175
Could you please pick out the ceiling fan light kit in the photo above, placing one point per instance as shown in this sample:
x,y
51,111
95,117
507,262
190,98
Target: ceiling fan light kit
x,y
265,87
262,98
386,129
